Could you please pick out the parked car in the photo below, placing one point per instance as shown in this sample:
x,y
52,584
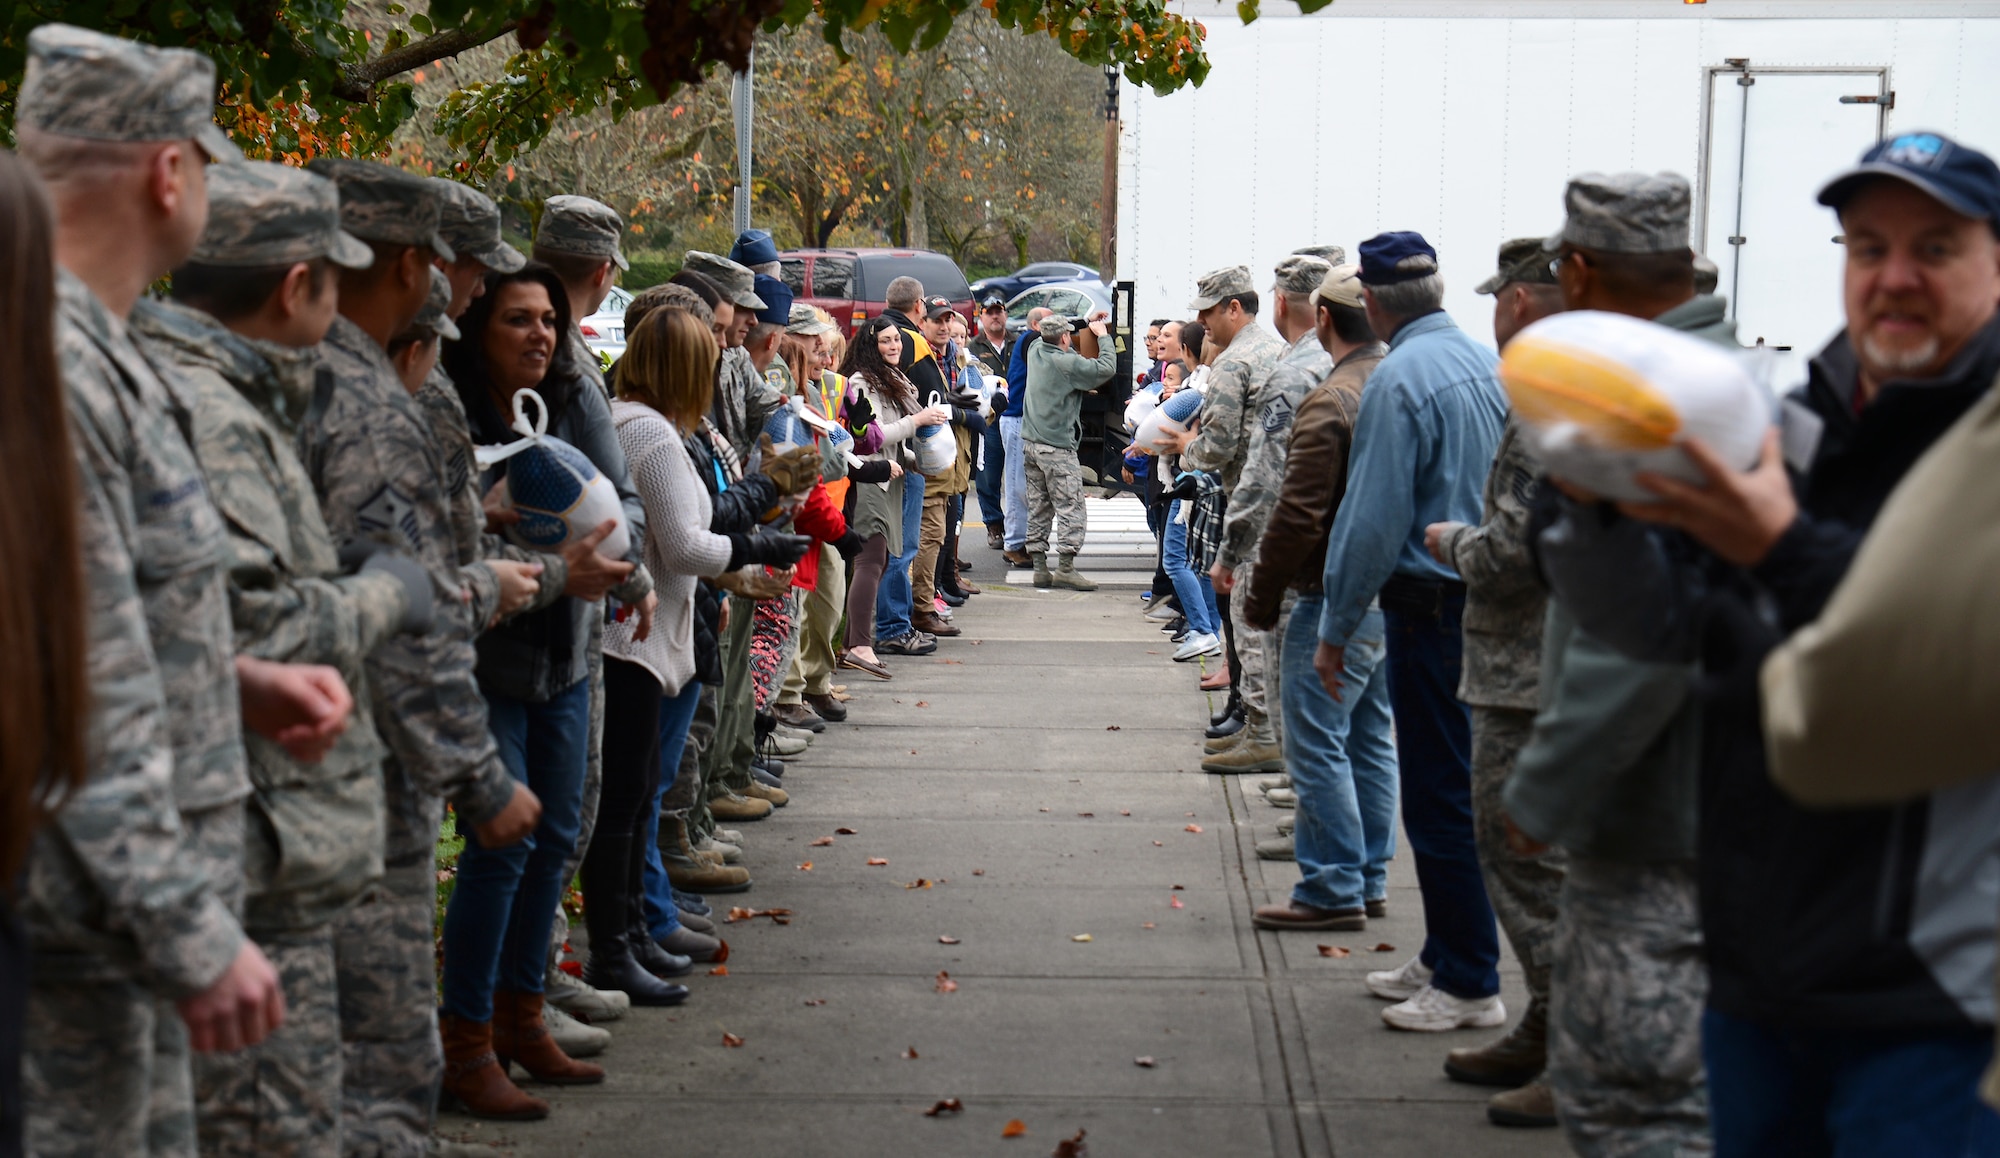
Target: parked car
x,y
604,331
1075,299
849,283
1029,276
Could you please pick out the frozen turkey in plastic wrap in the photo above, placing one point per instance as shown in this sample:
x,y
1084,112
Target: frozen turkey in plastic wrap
x,y
1169,417
559,493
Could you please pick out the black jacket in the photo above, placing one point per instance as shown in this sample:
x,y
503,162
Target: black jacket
x,y
1867,918
732,511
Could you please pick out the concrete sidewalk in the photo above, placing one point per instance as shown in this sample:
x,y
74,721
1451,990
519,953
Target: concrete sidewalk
x,y
1042,773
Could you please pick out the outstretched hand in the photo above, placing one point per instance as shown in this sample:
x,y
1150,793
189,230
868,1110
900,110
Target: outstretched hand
x,y
1738,515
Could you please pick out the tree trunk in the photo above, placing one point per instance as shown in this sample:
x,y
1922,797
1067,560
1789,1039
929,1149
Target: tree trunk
x,y
918,227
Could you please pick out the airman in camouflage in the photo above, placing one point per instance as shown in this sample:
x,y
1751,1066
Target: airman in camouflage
x,y
1505,604
1235,383
743,399
380,481
317,845
132,893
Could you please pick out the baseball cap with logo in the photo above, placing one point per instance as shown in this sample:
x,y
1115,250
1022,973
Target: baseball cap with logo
x,y
470,222
1217,284
85,84
1524,259
583,227
261,214
382,203
936,307
1964,179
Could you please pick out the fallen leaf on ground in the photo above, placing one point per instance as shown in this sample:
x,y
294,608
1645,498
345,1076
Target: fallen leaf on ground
x,y
806,867
741,914
948,661
1071,1147
1081,937
1385,947
719,971
1086,814
979,872
948,1106
1113,728
947,940
845,831
1175,902
1041,810
977,642
945,984
1159,844
1190,814
913,751
1192,828
721,951
731,1040
1179,888
1014,1129
1335,951
1149,925
878,861
923,703
1124,812
1143,1062
815,1001
822,842
910,1054
919,883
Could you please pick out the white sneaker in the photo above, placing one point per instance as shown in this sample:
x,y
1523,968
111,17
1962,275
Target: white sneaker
x,y
575,1038
1282,798
1288,824
574,997
1270,782
1400,984
1433,1010
1162,612
1196,645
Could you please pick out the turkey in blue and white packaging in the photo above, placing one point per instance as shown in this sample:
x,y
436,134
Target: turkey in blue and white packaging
x,y
559,493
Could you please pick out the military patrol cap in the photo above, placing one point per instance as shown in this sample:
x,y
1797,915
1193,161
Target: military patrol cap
x,y
1330,254
1342,286
382,203
434,316
470,222
261,214
1625,213
1707,275
1217,284
582,227
735,281
1301,273
754,247
102,88
777,297
1053,327
806,322
1524,259
1392,258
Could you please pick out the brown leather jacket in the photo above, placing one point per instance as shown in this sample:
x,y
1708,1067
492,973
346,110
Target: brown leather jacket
x,y
1292,551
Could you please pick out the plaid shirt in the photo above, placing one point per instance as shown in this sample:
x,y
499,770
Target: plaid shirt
x,y
1204,538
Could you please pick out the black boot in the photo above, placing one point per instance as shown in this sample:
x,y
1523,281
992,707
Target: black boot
x,y
1229,709
606,910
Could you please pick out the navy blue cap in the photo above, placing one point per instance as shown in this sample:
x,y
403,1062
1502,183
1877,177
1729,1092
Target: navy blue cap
x,y
777,300
754,248
1389,258
1963,178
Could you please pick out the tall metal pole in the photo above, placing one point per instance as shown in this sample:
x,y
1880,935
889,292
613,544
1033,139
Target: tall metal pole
x,y
742,96
1107,230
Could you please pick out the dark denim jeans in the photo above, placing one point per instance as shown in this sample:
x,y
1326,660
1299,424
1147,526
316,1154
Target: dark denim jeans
x,y
992,478
1342,761
676,713
895,600
1434,747
1781,1092
496,927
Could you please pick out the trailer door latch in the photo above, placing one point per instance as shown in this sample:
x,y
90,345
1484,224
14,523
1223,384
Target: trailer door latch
x,y
1886,100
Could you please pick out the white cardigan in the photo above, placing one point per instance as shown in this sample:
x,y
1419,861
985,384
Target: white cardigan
x,y
679,546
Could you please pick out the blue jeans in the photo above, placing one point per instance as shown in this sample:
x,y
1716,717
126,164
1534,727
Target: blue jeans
x,y
992,478
496,926
1342,761
676,713
1781,1092
1014,483
1196,594
1434,734
895,600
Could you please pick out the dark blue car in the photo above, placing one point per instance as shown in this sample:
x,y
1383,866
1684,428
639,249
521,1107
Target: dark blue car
x,y
1029,276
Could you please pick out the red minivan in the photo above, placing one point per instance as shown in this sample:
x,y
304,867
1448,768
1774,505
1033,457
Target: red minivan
x,y
849,283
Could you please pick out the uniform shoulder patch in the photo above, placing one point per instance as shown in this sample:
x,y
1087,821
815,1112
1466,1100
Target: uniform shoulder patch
x,y
1277,414
390,512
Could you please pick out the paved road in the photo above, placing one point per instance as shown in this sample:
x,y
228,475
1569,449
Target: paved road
x,y
1042,772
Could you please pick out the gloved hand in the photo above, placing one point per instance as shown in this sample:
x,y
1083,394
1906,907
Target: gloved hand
x,y
769,548
850,544
970,421
795,471
756,583
860,412
1184,488
874,470
419,597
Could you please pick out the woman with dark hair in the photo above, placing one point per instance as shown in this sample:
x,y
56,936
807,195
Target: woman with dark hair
x,y
534,671
879,395
43,688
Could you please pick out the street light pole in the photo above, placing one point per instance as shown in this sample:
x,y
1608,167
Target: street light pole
x,y
744,100
1107,230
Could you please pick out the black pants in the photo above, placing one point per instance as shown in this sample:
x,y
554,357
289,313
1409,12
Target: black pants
x,y
614,868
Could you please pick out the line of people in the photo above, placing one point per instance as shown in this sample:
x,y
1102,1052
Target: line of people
x,y
1558,698
296,624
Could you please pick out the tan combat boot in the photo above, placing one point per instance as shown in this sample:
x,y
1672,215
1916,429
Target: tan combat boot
x,y
734,808
1532,1106
1066,575
775,797
1514,1060
1249,756
1042,576
690,872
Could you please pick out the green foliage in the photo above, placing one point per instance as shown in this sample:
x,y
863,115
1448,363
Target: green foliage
x,y
649,269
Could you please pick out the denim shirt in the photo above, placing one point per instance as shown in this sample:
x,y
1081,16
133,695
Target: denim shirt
x,y
1429,425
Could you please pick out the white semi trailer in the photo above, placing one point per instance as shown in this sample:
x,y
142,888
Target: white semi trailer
x,y
1462,119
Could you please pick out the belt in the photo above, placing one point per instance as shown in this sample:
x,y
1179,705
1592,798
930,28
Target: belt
x,y
1409,595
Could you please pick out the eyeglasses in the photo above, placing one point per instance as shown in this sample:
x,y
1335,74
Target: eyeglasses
x,y
1556,262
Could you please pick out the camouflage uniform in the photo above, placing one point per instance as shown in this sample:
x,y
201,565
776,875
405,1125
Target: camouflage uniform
x,y
1504,608
743,399
1228,413
369,452
131,892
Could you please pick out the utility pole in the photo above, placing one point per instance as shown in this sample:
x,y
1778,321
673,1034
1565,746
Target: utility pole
x,y
1107,229
744,100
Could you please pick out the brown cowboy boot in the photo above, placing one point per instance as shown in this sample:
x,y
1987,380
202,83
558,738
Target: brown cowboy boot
x,y
472,1074
519,1036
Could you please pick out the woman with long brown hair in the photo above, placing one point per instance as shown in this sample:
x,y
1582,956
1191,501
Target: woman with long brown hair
x,y
43,689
